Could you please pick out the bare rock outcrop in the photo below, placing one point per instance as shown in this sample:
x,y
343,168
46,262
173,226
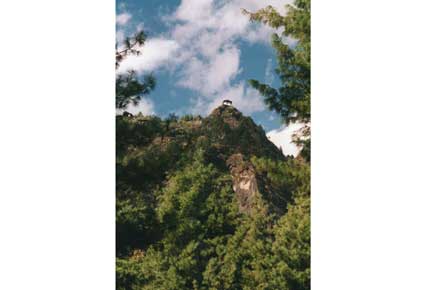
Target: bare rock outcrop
x,y
244,182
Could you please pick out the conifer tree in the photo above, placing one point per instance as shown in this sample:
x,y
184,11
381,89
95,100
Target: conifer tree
x,y
129,87
130,46
292,99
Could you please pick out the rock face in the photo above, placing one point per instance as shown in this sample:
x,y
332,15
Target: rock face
x,y
244,182
229,115
236,138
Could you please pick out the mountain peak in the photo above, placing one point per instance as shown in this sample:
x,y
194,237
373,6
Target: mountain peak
x,y
238,133
229,114
225,109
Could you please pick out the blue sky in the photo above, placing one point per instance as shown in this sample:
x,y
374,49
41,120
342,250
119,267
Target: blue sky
x,y
201,52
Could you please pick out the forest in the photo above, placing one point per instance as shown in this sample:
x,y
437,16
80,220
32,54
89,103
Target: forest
x,y
210,202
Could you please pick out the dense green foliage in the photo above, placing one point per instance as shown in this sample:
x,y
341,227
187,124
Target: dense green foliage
x,y
177,217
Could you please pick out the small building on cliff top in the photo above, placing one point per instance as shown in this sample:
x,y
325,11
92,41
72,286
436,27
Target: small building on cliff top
x,y
227,102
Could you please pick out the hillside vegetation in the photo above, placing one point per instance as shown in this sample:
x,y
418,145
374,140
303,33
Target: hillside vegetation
x,y
209,203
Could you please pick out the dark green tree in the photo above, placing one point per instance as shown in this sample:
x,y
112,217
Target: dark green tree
x,y
130,46
292,99
129,87
290,263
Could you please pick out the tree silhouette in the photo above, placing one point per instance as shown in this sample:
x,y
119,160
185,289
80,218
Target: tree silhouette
x,y
129,88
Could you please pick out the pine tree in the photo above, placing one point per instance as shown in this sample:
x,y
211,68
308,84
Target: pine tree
x,y
292,99
130,46
129,87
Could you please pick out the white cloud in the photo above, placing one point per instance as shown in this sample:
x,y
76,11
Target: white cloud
x,y
155,53
244,98
208,60
145,106
213,75
223,68
194,10
282,137
202,48
123,18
